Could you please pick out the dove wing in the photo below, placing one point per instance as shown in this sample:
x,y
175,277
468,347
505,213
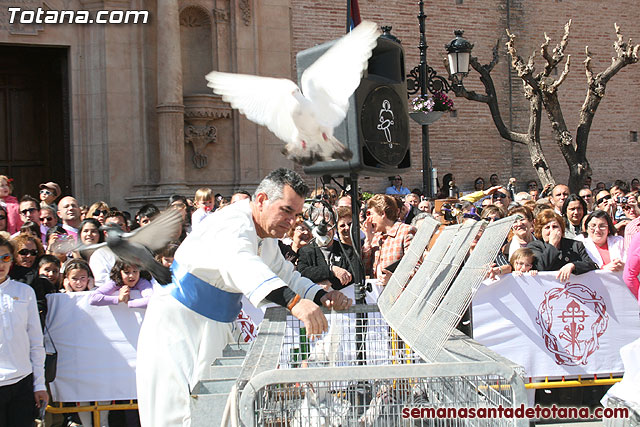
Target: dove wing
x,y
164,228
266,101
331,80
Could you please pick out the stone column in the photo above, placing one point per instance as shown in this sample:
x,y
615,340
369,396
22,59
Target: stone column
x,y
170,104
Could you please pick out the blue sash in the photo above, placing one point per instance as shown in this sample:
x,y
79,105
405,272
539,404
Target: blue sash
x,y
204,298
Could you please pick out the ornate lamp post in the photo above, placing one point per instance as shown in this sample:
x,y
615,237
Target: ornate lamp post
x,y
424,78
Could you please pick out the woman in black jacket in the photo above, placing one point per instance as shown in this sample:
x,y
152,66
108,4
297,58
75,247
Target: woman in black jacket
x,y
553,252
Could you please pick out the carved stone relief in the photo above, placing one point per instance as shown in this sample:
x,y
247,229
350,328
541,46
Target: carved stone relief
x,y
200,137
18,28
194,17
245,7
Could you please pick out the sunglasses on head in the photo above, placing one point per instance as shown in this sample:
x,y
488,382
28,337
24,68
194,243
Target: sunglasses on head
x,y
28,211
25,252
99,212
6,258
603,199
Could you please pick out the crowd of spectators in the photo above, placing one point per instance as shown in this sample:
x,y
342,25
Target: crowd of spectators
x,y
556,231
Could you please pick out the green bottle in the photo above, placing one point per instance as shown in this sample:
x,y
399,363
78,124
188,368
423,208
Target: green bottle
x,y
304,344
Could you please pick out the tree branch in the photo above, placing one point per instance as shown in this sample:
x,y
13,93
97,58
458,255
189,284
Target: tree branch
x,y
525,71
558,51
626,54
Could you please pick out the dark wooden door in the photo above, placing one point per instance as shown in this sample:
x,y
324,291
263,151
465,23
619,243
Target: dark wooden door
x,y
34,117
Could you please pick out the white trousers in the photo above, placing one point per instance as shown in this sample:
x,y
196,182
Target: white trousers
x,y
176,347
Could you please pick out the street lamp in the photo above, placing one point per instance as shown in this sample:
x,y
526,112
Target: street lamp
x,y
458,51
425,79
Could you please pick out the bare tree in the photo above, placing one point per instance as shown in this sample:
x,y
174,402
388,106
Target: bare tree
x,y
541,90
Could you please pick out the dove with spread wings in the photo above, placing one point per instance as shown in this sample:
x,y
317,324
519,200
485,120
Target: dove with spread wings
x,y
304,117
137,247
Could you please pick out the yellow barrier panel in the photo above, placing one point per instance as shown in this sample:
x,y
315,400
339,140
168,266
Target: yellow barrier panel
x,y
573,383
94,408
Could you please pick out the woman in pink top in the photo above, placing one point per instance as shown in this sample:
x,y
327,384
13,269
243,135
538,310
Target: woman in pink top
x,y
124,278
604,247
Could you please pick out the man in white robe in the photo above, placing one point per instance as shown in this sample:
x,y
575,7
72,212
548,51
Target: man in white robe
x,y
233,253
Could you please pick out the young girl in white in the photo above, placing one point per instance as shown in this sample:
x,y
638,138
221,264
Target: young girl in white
x,y
204,205
124,278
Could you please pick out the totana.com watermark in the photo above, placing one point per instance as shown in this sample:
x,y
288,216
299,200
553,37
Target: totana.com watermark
x,y
41,16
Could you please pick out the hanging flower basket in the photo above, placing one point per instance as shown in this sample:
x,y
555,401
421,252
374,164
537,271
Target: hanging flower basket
x,y
424,118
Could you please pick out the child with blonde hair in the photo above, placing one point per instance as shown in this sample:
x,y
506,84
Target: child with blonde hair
x,y
522,261
204,205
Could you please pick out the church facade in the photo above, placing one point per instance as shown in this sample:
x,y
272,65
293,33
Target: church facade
x,y
121,112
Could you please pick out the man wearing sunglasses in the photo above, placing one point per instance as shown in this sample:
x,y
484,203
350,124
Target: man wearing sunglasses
x,y
587,195
501,198
29,209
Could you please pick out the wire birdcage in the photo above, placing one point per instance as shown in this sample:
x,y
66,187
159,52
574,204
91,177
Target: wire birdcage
x,y
360,373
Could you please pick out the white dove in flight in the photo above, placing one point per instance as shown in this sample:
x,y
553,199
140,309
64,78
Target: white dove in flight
x,y
305,117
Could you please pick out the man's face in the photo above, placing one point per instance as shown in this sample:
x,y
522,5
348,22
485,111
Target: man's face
x,y
559,195
493,180
397,181
501,198
587,182
30,211
68,210
47,218
413,200
276,217
587,195
118,221
425,206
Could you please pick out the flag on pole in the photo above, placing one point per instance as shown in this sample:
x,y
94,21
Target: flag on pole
x,y
353,14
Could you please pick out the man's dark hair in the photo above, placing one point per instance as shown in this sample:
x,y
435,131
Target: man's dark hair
x,y
116,214
28,198
273,184
48,259
149,210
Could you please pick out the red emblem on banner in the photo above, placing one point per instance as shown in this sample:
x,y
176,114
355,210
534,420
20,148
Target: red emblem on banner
x,y
572,320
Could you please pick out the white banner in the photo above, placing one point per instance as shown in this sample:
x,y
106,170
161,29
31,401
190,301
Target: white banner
x,y
96,348
555,329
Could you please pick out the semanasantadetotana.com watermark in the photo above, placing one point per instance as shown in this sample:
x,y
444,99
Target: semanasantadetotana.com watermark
x,y
41,16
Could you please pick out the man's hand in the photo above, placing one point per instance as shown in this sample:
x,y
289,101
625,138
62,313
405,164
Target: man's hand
x,y
41,395
492,190
311,315
343,275
336,300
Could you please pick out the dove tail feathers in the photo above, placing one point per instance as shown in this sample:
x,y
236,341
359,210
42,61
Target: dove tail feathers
x,y
161,273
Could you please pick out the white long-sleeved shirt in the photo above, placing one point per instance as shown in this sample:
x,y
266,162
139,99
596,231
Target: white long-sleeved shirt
x,y
101,263
21,343
225,251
